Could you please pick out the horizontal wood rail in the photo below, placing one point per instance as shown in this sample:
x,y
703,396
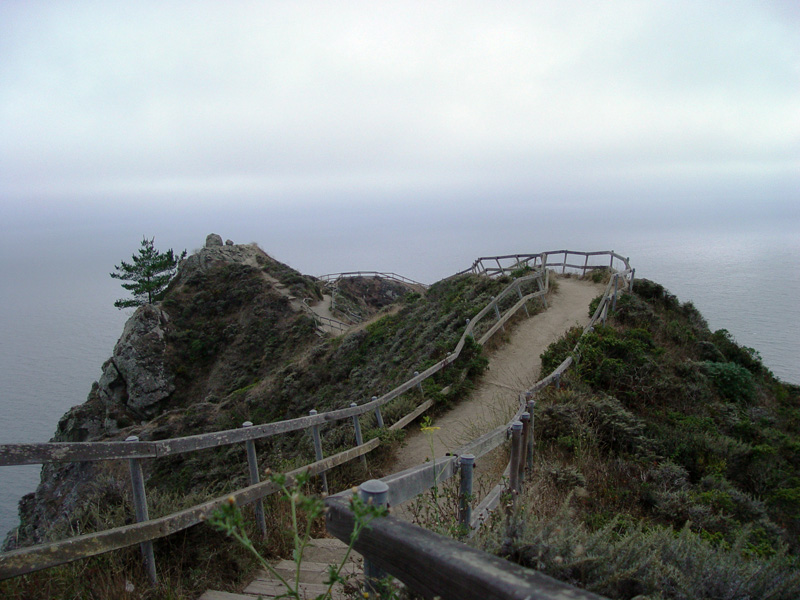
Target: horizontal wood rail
x,y
43,556
437,566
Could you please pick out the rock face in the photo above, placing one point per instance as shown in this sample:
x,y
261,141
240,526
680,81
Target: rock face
x,y
136,376
213,240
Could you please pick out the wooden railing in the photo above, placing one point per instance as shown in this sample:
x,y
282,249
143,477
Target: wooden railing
x,y
29,559
434,565
322,321
332,280
494,266
41,556
381,274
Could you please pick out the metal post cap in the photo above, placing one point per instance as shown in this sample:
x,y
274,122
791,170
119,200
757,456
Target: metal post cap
x,y
312,412
132,438
526,416
516,426
247,424
467,458
373,487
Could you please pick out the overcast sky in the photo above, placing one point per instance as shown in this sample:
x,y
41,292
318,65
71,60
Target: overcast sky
x,y
118,107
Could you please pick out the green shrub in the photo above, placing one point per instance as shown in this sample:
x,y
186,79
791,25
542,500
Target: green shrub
x,y
623,559
733,382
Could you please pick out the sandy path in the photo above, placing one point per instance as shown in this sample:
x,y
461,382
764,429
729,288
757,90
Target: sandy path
x,y
512,368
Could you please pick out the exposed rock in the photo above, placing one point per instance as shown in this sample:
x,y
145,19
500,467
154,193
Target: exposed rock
x,y
229,242
213,240
210,255
138,361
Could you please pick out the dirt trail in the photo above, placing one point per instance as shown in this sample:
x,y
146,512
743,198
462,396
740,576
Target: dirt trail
x,y
512,368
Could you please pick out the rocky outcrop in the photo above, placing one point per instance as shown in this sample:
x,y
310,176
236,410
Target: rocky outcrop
x,y
213,240
136,376
213,253
221,326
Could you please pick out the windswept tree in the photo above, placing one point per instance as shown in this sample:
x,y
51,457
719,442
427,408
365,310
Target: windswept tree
x,y
149,273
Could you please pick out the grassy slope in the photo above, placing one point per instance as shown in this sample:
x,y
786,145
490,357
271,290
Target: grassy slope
x,y
239,353
668,465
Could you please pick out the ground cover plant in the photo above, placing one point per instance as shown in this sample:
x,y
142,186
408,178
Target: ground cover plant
x,y
667,464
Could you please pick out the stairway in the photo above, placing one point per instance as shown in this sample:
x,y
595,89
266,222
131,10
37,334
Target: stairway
x,y
317,556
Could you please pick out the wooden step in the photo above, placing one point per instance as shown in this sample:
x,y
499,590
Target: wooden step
x,y
329,551
215,595
310,572
318,554
272,589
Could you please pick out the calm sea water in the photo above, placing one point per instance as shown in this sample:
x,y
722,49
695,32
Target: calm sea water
x,y
58,324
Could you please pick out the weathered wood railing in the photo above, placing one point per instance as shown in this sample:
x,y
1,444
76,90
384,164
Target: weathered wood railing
x,y
332,280
29,559
504,265
381,274
25,560
434,565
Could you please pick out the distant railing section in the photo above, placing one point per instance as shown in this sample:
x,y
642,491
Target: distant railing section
x,y
495,266
332,281
322,322
382,274
26,560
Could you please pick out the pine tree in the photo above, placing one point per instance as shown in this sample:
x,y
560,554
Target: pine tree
x,y
151,271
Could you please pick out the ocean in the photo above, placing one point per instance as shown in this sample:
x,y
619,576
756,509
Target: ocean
x,y
58,324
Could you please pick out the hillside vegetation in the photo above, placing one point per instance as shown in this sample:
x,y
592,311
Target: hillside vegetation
x,y
667,465
237,350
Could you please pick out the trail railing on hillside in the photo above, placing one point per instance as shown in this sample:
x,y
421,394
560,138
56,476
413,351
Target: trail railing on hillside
x,y
380,274
322,321
332,281
26,560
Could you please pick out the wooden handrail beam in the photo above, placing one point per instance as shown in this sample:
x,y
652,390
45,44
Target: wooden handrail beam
x,y
435,565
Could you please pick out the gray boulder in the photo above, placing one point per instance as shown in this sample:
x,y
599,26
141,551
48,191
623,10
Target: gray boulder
x,y
212,240
136,376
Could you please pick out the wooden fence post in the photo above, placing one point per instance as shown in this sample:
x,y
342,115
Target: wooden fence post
x,y
516,447
318,450
140,507
543,288
359,439
252,465
519,291
523,455
378,415
466,467
419,383
630,285
529,447
497,313
373,492
616,286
